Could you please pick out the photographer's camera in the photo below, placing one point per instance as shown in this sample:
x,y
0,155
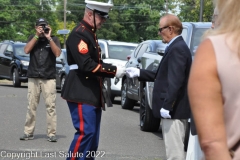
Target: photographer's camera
x,y
45,29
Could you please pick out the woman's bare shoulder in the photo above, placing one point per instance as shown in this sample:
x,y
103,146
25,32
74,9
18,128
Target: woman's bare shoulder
x,y
205,49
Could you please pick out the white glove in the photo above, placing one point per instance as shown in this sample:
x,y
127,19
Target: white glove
x,y
132,72
120,72
165,113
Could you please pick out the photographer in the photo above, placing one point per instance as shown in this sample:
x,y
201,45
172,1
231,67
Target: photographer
x,y
43,49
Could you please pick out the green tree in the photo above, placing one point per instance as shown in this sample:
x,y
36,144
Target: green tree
x,y
74,10
190,10
133,21
69,26
6,20
18,17
130,20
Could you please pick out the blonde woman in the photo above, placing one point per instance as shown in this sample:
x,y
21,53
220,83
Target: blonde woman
x,y
194,151
214,86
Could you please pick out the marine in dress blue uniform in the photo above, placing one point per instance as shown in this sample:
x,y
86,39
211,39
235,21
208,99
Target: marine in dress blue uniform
x,y
83,86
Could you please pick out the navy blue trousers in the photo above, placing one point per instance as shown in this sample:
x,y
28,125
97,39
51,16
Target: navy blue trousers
x,y
86,120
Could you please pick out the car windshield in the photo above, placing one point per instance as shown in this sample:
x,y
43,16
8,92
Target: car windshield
x,y
196,38
19,50
120,51
184,34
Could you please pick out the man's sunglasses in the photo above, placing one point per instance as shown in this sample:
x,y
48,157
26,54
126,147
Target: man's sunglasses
x,y
160,29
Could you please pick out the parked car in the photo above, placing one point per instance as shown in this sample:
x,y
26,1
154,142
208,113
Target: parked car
x,y
115,52
62,69
13,62
131,86
133,90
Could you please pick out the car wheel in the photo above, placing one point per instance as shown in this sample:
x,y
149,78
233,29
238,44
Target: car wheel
x,y
107,84
16,80
62,82
126,102
147,121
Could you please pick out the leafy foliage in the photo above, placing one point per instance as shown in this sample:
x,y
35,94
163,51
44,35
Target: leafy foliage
x,y
190,10
130,20
18,17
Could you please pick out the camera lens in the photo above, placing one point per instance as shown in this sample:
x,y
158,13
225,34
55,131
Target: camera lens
x,y
46,30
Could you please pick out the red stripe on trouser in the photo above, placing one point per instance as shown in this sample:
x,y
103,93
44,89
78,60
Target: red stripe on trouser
x,y
81,129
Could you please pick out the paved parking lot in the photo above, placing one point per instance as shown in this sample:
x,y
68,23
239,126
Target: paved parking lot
x,y
120,139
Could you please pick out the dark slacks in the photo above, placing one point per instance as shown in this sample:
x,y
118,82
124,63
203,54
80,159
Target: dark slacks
x,y
86,120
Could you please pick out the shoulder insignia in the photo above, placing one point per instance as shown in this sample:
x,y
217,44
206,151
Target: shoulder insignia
x,y
82,47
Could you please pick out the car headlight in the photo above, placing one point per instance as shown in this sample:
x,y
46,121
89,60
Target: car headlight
x,y
25,63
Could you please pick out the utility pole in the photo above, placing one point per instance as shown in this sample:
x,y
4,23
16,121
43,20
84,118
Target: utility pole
x,y
201,11
64,20
64,31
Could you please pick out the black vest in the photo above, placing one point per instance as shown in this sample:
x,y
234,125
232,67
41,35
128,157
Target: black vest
x,y
42,60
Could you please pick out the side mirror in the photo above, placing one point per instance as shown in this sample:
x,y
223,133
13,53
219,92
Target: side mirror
x,y
62,61
58,62
139,60
160,53
9,54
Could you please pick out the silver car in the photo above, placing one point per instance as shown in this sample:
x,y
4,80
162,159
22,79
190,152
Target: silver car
x,y
134,91
116,53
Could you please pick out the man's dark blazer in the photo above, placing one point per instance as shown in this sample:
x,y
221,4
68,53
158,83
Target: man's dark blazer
x,y
170,81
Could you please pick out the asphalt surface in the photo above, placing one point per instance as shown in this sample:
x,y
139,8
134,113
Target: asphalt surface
x,y
120,138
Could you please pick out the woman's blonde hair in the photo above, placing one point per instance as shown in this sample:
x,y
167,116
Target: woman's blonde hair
x,y
228,16
228,19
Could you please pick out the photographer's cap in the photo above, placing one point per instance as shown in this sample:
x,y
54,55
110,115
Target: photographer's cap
x,y
100,8
41,21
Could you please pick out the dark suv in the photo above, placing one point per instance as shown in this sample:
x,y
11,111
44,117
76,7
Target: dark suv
x,y
146,58
13,62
